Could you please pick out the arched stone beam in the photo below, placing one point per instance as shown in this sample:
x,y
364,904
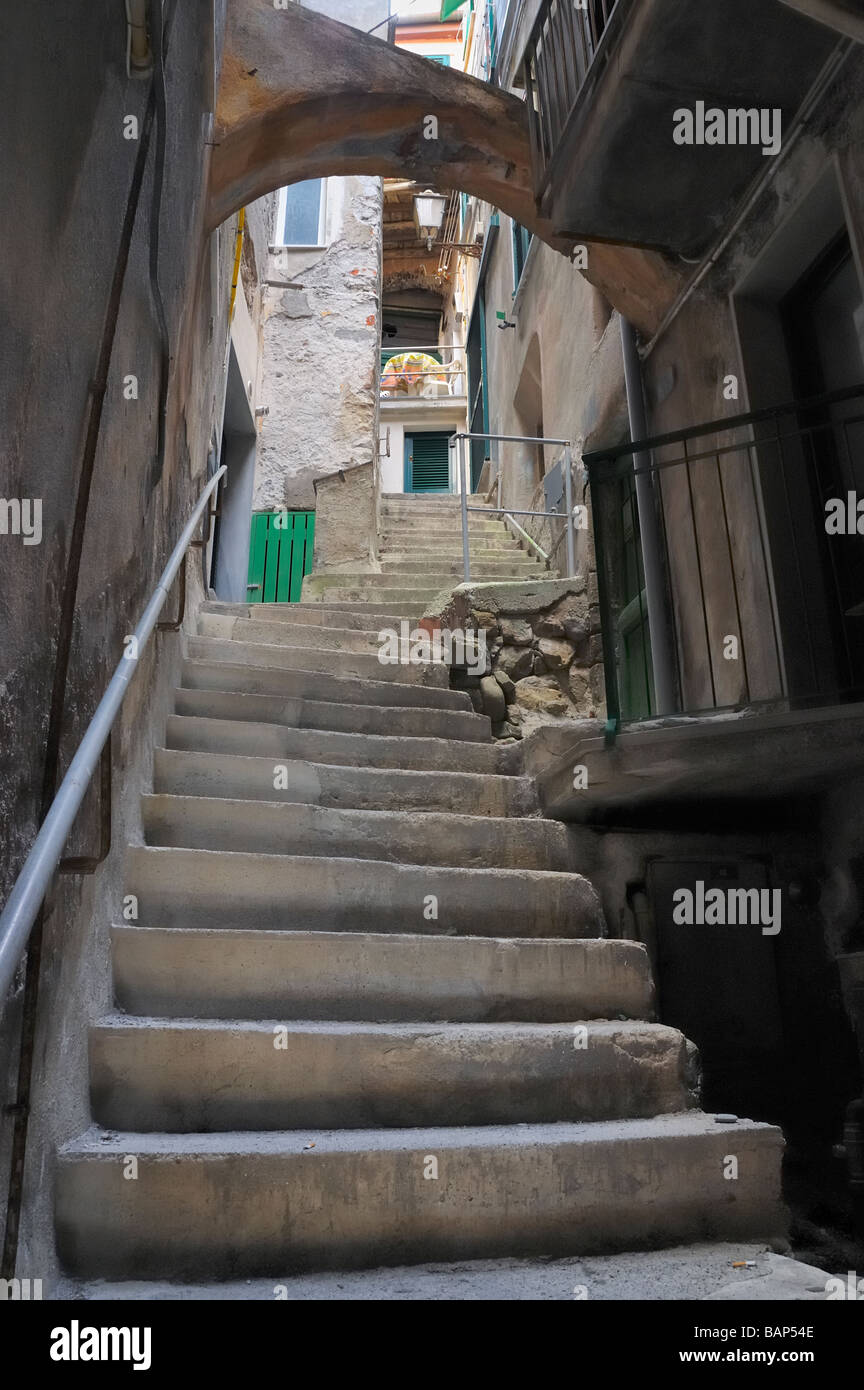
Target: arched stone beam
x,y
303,96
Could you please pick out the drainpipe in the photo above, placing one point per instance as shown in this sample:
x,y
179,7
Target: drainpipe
x,y
659,628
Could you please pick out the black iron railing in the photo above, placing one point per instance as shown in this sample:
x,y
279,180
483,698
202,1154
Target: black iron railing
x,y
564,43
758,526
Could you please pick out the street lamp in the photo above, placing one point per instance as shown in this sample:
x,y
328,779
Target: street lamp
x,y
429,215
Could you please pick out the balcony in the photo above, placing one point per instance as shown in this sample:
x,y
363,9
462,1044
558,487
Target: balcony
x,y
603,85
763,584
423,374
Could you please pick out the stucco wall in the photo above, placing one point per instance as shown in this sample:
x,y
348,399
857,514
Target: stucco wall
x,y
62,71
320,352
561,362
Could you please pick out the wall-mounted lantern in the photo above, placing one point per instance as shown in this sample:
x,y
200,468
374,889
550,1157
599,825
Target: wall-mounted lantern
x,y
429,215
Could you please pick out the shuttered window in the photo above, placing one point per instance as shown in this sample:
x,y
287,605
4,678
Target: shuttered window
x,y
427,462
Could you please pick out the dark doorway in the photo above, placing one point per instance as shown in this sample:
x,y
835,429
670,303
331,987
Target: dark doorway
x,y
231,538
718,985
823,324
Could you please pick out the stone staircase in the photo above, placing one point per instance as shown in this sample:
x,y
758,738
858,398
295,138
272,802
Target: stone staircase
x,y
421,553
366,1013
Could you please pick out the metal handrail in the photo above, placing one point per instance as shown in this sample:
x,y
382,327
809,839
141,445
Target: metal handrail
x,y
31,885
458,442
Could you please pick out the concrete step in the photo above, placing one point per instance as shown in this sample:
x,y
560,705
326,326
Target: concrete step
x,y
410,499
302,636
482,534
280,892
359,788
401,837
221,1206
193,1076
448,509
324,746
428,528
377,593
451,552
337,717
385,977
212,664
343,664
280,632
391,609
451,509
514,567
421,580
311,614
703,1271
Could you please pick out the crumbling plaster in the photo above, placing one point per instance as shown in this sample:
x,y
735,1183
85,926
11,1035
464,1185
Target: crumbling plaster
x,y
320,352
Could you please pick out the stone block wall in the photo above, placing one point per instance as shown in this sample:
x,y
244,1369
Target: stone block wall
x,y
544,652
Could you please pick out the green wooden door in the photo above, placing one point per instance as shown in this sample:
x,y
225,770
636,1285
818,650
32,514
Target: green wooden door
x,y
427,462
280,553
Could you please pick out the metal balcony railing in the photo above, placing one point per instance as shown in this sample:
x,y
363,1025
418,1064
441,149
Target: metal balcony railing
x,y
764,564
561,51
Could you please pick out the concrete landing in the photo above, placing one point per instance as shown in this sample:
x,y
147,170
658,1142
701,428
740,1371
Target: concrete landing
x,y
688,1272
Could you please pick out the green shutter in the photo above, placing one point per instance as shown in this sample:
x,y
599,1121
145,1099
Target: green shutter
x,y
449,7
280,554
427,462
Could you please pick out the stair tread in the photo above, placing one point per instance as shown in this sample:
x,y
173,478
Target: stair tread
x,y
107,1145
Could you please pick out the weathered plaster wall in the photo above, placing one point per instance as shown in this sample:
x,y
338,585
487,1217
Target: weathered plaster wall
x,y
561,363
69,196
320,352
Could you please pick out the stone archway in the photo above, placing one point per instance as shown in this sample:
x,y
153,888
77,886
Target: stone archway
x,y
303,96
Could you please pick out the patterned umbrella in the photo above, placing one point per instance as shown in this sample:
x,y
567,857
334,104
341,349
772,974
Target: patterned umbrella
x,y
408,372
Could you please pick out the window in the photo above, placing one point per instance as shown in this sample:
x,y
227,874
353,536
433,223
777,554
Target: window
x,y
522,239
300,214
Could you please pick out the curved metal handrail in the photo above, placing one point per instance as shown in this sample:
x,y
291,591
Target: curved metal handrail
x,y
31,885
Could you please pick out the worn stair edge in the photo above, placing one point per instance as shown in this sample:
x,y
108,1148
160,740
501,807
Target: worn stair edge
x,y
321,745
219,888
333,716
224,1205
221,670
205,1076
433,837
182,772
377,976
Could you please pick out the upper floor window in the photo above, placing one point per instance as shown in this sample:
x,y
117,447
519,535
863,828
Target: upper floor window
x,y
522,239
300,214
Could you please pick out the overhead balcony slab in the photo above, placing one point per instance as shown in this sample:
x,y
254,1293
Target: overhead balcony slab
x,y
617,173
687,762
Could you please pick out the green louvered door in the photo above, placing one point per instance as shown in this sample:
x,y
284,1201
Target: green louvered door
x,y
427,462
280,553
